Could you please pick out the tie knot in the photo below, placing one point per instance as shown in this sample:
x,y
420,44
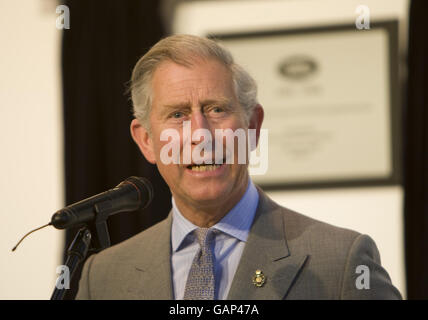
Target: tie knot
x,y
204,236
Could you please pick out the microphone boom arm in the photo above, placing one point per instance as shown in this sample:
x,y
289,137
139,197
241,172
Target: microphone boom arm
x,y
76,253
79,248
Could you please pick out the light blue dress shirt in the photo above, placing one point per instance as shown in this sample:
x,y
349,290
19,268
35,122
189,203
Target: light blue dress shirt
x,y
228,246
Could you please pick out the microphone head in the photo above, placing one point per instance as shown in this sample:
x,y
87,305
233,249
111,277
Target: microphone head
x,y
145,190
134,193
60,219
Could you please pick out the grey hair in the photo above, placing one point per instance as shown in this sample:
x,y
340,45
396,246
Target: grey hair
x,y
183,50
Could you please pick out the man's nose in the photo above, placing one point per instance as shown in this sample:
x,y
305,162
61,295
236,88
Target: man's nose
x,y
199,121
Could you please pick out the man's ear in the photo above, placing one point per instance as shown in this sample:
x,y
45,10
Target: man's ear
x,y
256,120
143,140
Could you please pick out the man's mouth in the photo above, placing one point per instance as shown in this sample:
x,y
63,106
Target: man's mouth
x,y
203,167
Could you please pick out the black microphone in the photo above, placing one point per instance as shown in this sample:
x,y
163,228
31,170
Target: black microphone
x,y
132,194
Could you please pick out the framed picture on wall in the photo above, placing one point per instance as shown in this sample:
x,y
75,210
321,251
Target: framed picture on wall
x,y
331,100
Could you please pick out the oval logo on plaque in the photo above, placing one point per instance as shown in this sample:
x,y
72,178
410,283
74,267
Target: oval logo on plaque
x,y
297,67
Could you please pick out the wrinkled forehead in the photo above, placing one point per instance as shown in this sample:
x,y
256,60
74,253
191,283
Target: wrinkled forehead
x,y
174,83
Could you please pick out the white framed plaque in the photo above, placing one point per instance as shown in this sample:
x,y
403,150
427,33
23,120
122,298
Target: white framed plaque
x,y
331,102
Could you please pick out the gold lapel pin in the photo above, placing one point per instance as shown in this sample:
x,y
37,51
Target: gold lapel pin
x,y
259,278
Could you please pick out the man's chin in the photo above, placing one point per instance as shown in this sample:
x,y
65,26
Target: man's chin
x,y
207,195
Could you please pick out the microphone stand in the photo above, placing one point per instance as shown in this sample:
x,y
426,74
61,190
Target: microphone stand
x,y
76,253
79,248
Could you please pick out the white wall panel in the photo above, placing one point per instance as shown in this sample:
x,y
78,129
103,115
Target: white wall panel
x,y
31,161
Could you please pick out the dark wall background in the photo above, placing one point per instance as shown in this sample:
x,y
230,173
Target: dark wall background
x,y
105,40
416,155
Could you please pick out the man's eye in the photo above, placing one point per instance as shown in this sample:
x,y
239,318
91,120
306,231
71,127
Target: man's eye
x,y
217,110
177,114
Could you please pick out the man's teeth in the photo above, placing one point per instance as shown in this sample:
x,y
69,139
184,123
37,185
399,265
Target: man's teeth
x,y
207,167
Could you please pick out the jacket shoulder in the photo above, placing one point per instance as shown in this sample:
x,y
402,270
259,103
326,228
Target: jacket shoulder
x,y
137,243
105,274
334,256
300,227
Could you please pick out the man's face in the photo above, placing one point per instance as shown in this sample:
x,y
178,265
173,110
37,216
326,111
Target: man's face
x,y
203,95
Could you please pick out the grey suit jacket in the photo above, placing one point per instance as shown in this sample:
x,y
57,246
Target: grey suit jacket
x,y
301,258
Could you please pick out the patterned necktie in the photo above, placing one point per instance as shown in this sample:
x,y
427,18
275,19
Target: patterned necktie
x,y
200,281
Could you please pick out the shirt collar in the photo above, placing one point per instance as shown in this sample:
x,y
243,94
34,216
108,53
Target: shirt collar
x,y
236,223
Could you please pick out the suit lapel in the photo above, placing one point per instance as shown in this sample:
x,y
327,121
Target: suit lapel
x,y
152,278
266,250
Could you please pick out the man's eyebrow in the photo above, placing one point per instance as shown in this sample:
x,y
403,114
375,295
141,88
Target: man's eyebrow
x,y
176,105
187,105
167,108
221,101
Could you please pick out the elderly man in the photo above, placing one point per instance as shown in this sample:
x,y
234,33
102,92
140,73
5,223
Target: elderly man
x,y
224,238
